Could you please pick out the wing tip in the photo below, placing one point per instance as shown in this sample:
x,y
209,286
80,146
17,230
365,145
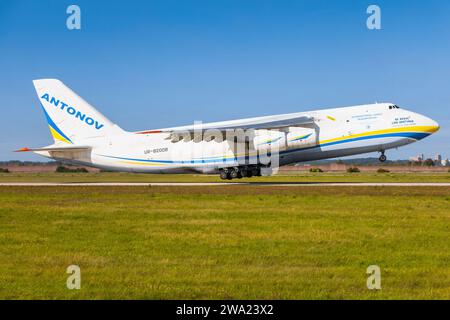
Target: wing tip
x,y
23,150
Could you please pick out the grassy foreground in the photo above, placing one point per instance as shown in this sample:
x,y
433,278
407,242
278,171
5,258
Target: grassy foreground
x,y
224,242
280,178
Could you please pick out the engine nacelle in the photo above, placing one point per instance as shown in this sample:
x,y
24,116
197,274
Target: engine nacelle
x,y
301,138
269,140
296,138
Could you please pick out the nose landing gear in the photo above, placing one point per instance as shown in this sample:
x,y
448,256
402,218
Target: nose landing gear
x,y
382,157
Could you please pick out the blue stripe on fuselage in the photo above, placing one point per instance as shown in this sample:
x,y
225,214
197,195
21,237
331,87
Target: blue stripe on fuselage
x,y
412,135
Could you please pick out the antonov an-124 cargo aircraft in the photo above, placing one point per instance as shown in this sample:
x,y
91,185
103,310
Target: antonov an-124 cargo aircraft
x,y
234,149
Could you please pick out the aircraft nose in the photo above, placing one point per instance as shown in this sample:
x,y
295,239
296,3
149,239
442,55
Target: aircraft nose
x,y
433,125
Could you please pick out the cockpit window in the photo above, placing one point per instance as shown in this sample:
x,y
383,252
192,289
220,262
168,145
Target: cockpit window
x,y
394,107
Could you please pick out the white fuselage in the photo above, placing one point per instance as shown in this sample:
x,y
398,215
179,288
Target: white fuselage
x,y
334,133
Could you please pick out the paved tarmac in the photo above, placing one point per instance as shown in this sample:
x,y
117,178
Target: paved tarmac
x,y
259,184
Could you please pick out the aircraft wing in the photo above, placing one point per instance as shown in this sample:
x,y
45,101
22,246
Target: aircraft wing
x,y
267,122
250,124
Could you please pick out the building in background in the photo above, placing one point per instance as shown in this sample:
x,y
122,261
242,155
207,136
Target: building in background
x,y
438,160
418,158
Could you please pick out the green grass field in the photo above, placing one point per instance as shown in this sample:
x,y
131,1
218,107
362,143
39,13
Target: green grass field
x,y
282,177
230,242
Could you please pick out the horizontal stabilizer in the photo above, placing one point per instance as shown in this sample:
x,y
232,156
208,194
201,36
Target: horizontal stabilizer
x,y
68,148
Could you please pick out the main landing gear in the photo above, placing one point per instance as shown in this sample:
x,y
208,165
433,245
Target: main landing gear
x,y
240,172
382,158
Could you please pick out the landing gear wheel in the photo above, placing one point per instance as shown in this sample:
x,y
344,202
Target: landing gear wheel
x,y
234,174
382,158
223,175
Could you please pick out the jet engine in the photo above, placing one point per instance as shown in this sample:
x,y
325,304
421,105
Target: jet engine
x,y
298,138
294,138
269,140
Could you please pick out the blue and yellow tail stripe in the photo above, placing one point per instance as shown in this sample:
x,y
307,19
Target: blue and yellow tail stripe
x,y
55,131
414,132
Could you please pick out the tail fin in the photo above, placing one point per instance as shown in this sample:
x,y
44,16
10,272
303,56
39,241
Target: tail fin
x,y
69,117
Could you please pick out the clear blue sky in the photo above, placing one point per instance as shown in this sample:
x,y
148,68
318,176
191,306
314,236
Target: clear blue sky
x,y
150,64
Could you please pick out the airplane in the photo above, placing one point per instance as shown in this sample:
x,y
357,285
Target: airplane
x,y
234,149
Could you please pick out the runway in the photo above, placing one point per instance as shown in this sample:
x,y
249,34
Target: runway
x,y
211,184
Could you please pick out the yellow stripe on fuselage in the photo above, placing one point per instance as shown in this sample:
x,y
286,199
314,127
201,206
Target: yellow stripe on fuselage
x,y
428,129
143,163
